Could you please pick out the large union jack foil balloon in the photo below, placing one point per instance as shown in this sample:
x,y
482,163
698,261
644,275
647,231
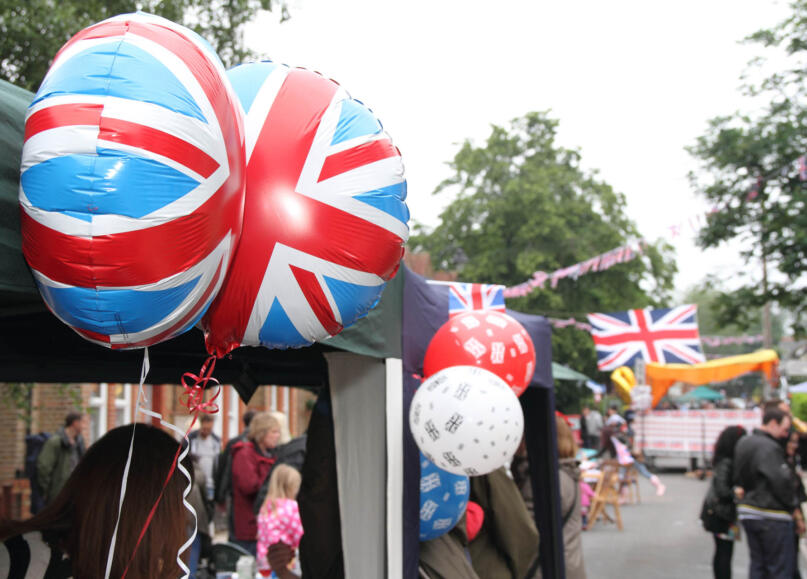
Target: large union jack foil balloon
x,y
324,221
132,184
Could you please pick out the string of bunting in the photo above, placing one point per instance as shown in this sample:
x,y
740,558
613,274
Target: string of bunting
x,y
714,341
628,251
556,323
621,254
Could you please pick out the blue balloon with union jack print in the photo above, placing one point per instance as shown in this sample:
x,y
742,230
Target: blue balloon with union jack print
x,y
443,499
325,218
132,181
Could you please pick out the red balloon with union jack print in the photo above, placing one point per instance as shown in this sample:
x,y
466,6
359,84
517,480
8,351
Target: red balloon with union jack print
x,y
485,338
132,181
325,219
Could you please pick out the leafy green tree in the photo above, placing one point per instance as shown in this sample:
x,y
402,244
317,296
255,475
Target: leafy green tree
x,y
31,32
708,296
521,204
749,171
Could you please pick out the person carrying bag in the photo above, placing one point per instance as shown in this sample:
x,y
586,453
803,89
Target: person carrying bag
x,y
719,513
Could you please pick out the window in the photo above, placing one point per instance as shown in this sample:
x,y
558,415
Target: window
x,y
97,411
233,424
123,404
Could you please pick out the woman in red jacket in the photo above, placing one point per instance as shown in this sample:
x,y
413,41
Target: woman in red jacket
x,y
252,461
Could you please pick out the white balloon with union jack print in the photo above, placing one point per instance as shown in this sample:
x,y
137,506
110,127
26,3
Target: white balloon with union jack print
x,y
466,420
132,181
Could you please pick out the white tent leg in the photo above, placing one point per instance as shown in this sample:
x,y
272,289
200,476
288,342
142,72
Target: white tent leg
x,y
358,399
395,472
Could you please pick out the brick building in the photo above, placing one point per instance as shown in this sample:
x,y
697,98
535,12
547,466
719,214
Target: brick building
x,y
111,405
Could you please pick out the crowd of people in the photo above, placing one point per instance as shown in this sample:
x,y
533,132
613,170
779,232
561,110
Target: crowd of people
x,y
255,479
756,486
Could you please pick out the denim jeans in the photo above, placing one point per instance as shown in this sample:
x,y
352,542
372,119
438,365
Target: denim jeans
x,y
773,553
193,559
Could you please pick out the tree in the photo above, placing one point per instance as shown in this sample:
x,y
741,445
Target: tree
x,y
749,171
32,32
709,296
522,203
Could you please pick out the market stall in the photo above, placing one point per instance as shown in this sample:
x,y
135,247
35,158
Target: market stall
x,y
366,377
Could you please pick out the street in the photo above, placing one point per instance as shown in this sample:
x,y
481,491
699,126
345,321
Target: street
x,y
662,536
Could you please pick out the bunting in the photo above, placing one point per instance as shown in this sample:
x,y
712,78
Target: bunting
x,y
601,262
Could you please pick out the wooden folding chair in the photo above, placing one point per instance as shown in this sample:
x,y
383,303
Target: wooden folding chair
x,y
629,480
606,492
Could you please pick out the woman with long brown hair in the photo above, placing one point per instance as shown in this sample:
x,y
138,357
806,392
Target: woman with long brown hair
x,y
72,535
570,501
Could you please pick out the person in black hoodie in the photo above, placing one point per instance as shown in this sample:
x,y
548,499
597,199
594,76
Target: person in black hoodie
x,y
719,514
791,453
769,501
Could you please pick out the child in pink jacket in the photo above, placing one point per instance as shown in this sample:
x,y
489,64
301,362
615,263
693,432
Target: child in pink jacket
x,y
279,517
585,500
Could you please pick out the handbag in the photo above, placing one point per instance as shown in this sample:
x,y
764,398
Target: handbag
x,y
711,520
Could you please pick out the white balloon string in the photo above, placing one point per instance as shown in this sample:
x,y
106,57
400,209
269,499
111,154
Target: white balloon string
x,y
144,370
186,492
193,398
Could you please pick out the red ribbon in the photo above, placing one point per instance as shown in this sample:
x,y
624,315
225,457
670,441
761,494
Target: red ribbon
x,y
194,399
194,395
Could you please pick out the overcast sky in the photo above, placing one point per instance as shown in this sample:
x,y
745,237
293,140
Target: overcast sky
x,y
631,82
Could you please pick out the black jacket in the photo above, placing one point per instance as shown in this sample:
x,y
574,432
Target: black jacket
x,y
724,491
761,469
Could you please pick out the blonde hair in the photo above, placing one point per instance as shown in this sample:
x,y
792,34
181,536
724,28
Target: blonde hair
x,y
260,424
284,483
567,447
285,435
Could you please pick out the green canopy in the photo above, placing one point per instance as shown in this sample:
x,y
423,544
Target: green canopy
x,y
702,393
17,288
560,372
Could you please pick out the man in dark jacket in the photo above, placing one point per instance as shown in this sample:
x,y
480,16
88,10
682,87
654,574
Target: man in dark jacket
x,y
768,497
60,455
223,476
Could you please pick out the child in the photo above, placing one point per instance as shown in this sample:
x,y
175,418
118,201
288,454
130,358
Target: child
x,y
279,518
586,494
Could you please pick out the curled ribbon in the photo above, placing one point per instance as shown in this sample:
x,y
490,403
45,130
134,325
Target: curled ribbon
x,y
193,399
194,395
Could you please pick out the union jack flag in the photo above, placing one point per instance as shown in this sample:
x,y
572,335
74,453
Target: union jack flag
x,y
131,184
466,297
656,335
325,218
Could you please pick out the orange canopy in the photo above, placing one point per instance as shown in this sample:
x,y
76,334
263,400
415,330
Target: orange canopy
x,y
661,376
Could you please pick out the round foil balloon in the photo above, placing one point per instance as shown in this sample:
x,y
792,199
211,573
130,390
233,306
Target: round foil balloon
x,y
132,181
324,222
488,339
443,498
466,420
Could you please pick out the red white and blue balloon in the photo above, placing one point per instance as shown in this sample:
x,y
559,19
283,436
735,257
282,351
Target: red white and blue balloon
x,y
325,219
443,498
132,184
